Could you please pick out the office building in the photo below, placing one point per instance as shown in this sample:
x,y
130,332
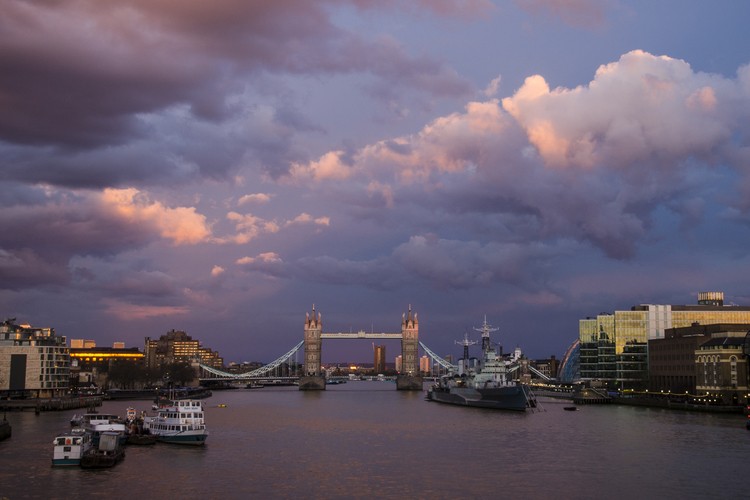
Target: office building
x,y
34,362
613,347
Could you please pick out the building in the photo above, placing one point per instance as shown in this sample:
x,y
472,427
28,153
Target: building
x,y
425,365
34,362
91,365
613,347
701,360
547,367
379,364
721,369
178,347
81,343
398,364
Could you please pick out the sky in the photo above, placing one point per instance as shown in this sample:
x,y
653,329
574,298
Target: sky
x,y
223,167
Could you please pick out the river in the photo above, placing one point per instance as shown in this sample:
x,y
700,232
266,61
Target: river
x,y
367,440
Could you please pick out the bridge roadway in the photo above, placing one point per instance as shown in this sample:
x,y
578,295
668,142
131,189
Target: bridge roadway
x,y
361,335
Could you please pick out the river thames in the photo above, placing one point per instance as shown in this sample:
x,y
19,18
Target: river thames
x,y
367,440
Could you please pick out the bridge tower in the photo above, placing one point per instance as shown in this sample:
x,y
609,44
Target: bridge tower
x,y
313,380
409,379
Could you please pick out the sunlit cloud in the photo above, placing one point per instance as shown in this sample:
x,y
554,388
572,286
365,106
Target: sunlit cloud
x,y
182,225
123,310
305,218
255,199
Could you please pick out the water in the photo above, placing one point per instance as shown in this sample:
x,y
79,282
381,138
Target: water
x,y
367,440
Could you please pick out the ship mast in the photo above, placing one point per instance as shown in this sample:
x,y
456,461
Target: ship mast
x,y
486,329
466,343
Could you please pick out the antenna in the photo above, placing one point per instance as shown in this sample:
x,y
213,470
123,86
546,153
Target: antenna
x,y
486,329
466,343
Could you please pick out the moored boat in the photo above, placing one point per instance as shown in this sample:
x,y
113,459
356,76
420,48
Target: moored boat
x,y
183,422
488,386
107,453
97,423
69,447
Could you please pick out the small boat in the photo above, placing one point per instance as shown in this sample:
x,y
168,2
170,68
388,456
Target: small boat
x,y
221,405
570,408
181,423
490,386
107,453
69,447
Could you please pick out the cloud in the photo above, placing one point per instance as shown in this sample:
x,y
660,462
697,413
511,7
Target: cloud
x,y
44,229
122,66
254,198
591,163
217,271
637,110
330,166
267,263
181,225
248,227
126,311
305,218
579,13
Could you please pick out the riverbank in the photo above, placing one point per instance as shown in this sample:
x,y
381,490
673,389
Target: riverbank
x,y
656,402
50,404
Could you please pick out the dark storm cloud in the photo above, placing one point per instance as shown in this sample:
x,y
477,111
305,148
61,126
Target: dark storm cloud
x,y
82,75
37,243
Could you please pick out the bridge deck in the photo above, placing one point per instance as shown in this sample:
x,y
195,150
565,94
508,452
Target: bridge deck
x,y
361,335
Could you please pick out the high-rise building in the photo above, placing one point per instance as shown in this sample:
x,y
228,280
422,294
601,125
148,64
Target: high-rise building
x,y
34,362
178,346
425,366
379,364
613,346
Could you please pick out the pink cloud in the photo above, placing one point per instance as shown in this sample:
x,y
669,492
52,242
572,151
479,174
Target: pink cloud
x,y
125,311
181,225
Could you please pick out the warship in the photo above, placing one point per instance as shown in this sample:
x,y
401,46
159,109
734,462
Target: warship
x,y
488,386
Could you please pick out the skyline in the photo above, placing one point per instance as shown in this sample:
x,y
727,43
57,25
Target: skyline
x,y
220,169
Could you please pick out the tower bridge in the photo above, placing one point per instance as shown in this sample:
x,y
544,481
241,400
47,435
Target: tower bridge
x,y
312,377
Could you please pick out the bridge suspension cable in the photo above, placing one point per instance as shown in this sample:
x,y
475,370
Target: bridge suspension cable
x,y
257,372
438,359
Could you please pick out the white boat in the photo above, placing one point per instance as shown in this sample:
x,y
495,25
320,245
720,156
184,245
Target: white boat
x,y
96,423
182,422
69,447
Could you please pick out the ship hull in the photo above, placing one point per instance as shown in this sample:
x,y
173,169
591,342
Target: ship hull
x,y
516,398
183,438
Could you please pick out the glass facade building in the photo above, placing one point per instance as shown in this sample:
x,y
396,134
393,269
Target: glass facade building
x,y
614,346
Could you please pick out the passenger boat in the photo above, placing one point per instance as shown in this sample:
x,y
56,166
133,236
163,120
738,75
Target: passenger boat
x,y
107,453
97,423
69,447
180,423
488,386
